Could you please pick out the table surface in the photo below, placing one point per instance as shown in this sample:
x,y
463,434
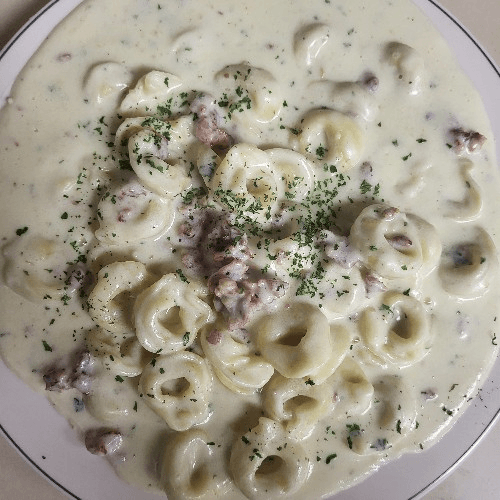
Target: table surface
x,y
477,477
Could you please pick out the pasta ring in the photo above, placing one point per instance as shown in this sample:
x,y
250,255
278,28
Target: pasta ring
x,y
177,387
267,441
297,343
398,331
183,307
105,307
331,137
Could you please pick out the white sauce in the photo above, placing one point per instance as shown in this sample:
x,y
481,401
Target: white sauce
x,y
424,271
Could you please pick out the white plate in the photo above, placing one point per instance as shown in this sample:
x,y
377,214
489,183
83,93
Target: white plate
x,y
45,439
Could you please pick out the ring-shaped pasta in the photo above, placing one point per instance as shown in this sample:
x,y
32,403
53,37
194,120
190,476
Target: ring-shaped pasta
x,y
296,342
250,92
191,469
470,267
395,244
351,98
178,387
409,66
131,213
469,208
169,314
295,172
236,364
107,306
352,391
130,127
245,182
297,403
267,443
110,401
120,353
155,165
151,92
33,268
309,41
390,418
105,83
398,331
332,138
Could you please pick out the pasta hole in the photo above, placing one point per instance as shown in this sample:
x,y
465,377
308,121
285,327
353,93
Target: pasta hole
x,y
401,326
199,478
400,243
291,406
270,466
175,387
293,337
171,320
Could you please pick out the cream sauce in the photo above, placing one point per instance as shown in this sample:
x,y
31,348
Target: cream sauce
x,y
56,137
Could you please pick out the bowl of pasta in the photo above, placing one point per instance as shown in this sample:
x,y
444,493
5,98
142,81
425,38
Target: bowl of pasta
x,y
254,259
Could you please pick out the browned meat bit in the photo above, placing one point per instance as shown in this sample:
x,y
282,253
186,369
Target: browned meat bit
x,y
78,374
82,373
103,441
214,337
399,242
466,141
373,284
238,297
208,123
57,379
370,81
389,213
213,243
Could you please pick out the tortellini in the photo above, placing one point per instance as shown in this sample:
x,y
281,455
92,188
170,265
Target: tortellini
x,y
294,171
296,343
309,42
251,97
120,353
109,401
469,268
117,284
106,82
395,244
235,360
391,417
279,466
331,137
298,403
33,268
350,98
409,66
159,159
169,314
245,181
353,392
152,92
178,388
398,331
191,468
470,207
131,213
